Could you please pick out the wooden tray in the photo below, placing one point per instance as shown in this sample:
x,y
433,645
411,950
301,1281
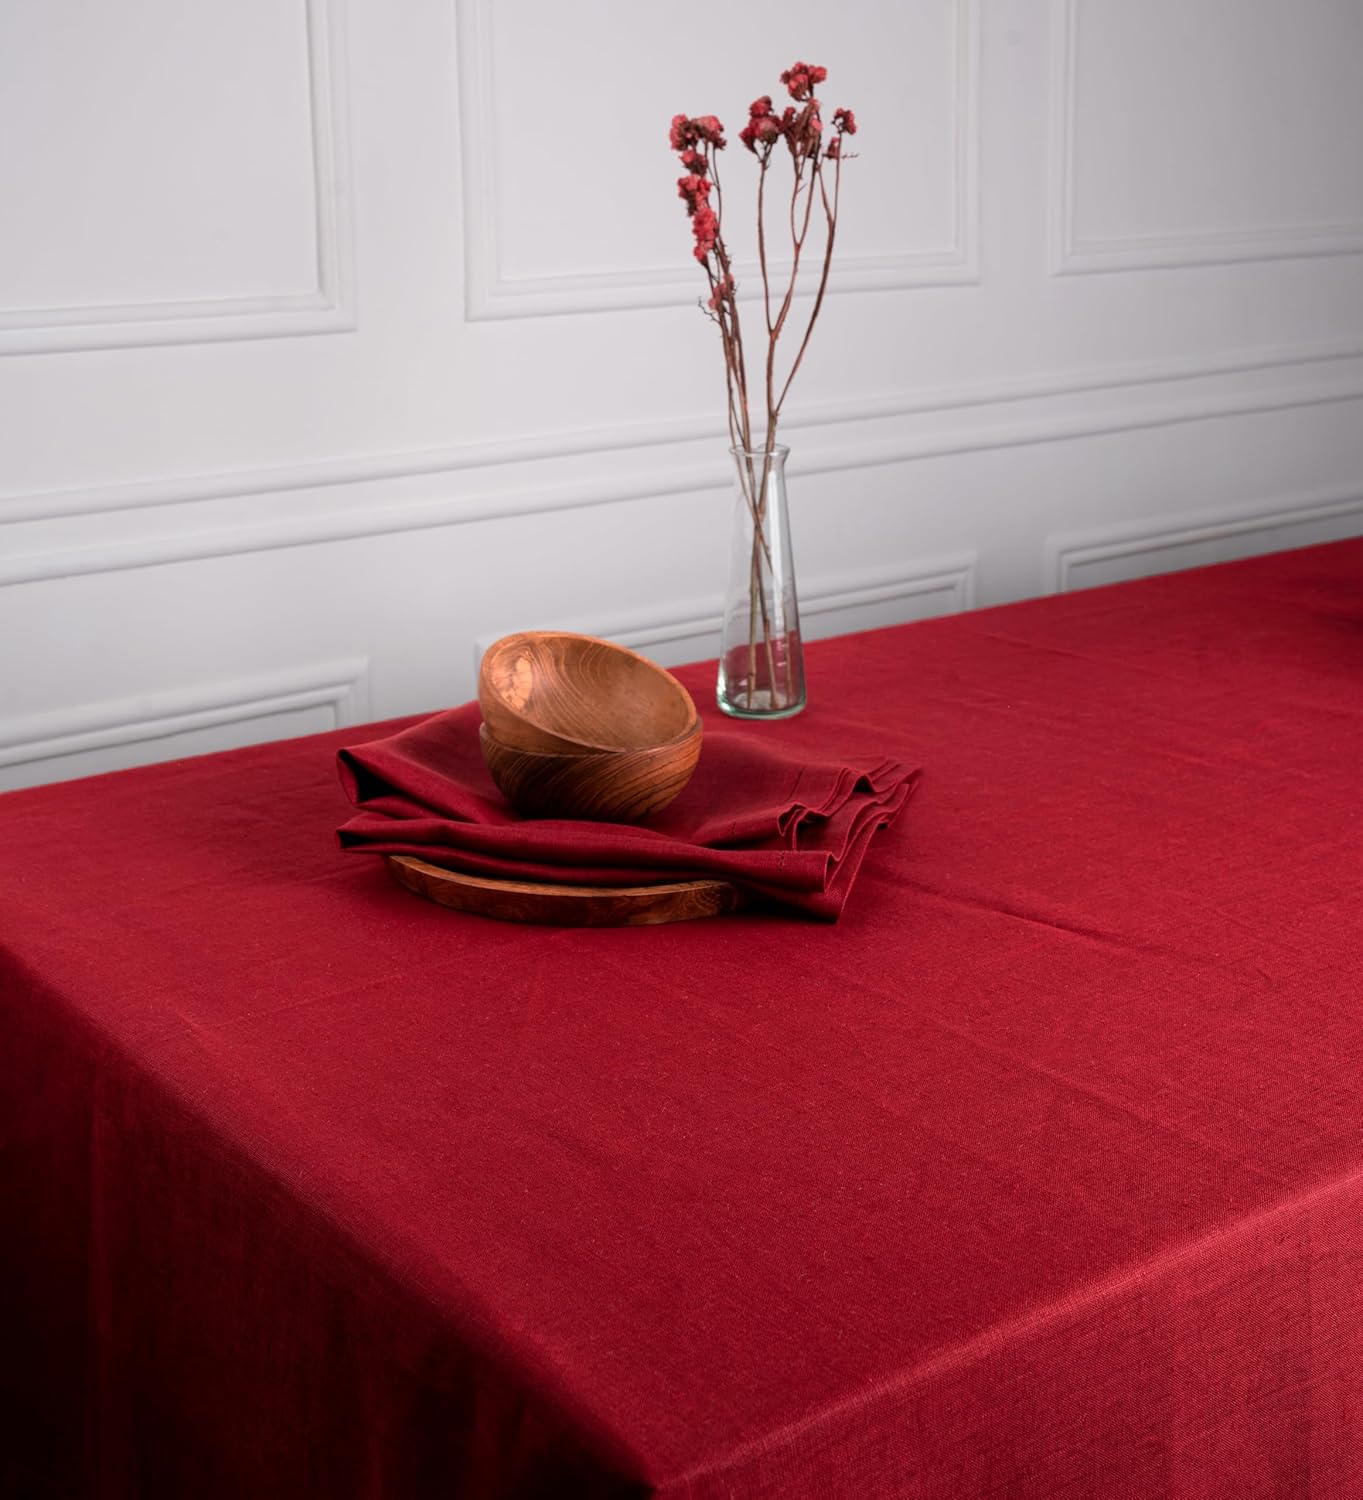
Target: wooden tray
x,y
566,905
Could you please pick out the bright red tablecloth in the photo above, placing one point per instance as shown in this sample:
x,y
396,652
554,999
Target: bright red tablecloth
x,y
1039,1174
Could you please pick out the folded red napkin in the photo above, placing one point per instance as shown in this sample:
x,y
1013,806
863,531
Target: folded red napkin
x,y
788,830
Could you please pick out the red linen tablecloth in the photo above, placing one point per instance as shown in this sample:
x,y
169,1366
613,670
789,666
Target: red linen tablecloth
x,y
1040,1173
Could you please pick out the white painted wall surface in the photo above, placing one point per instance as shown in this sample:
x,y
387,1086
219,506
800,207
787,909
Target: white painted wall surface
x,y
339,335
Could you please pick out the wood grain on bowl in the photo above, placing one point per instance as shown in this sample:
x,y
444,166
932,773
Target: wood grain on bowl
x,y
554,691
617,786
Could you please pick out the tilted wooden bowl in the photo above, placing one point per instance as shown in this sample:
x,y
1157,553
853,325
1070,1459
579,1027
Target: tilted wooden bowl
x,y
614,786
552,691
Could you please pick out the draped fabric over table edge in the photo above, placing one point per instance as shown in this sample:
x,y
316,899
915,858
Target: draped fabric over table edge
x,y
1038,1173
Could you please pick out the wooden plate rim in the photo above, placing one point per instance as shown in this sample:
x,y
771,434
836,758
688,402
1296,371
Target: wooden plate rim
x,y
546,888
548,904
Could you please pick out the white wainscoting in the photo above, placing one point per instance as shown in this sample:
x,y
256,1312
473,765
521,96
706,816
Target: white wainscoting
x,y
681,634
109,735
1328,375
515,416
1140,550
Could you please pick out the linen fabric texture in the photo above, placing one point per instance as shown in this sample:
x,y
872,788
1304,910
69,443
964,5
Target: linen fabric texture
x,y
1038,1173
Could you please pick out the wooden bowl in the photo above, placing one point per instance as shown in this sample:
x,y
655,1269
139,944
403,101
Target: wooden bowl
x,y
612,786
552,691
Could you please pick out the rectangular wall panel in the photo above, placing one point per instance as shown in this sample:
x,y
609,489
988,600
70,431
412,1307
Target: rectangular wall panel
x,y
1207,130
167,174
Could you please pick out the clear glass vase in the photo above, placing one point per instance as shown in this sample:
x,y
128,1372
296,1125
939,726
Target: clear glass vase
x,y
761,659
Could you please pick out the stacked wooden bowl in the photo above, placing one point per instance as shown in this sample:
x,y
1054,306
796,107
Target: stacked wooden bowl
x,y
576,727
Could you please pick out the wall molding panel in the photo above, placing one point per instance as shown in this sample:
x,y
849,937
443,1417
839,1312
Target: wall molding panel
x,y
687,631
948,582
191,489
1142,547
341,686
489,293
1072,255
328,308
182,543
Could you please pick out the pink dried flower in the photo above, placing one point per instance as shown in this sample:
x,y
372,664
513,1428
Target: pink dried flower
x,y
686,132
762,125
801,78
845,120
705,227
724,289
695,189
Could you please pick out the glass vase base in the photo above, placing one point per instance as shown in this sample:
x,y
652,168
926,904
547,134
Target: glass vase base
x,y
757,706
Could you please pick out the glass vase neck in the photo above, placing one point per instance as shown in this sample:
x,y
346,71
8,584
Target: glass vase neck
x,y
776,451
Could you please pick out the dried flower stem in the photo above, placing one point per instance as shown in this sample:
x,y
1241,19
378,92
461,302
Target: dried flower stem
x,y
698,140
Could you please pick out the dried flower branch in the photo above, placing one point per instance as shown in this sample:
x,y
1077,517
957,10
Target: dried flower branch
x,y
699,139
800,126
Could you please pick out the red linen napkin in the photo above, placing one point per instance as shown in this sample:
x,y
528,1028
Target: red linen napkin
x,y
788,830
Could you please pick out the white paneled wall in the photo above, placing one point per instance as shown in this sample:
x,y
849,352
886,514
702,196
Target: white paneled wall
x,y
338,337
